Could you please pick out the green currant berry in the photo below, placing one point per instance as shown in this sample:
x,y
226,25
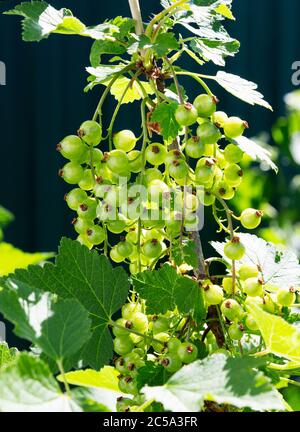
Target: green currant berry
x,y
233,174
234,249
247,271
81,225
223,190
186,114
286,297
120,365
87,210
140,322
205,105
173,155
95,235
251,323
194,148
124,249
135,161
251,218
206,198
160,342
115,256
253,287
124,404
231,309
72,173
121,327
124,140
205,171
152,174
213,294
156,154
129,309
173,345
208,133
236,331
94,157
87,181
90,131
219,118
75,197
178,169
123,345
118,161
128,385
72,148
171,362
152,248
233,154
187,352
234,127
228,286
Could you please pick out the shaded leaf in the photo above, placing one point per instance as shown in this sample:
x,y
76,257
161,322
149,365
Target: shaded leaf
x,y
164,114
88,277
164,289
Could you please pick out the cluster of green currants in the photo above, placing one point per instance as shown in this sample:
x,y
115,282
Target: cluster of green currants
x,y
247,287
140,338
108,196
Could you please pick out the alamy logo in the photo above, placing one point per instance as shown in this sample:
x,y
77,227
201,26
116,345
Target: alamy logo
x,y
2,74
2,332
296,75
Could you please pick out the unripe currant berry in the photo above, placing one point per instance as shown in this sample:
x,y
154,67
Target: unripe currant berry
x,y
187,352
251,218
178,169
229,287
253,287
233,174
234,127
251,323
231,309
224,190
186,114
233,154
171,362
90,131
247,271
286,297
208,133
73,148
236,331
213,294
156,154
194,148
234,249
219,118
205,105
72,173
124,140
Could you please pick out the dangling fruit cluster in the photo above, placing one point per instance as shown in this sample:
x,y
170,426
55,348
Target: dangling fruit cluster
x,y
142,196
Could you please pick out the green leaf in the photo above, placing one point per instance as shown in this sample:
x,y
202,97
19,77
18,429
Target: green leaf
x,y
88,277
185,253
103,385
101,47
12,258
278,268
59,329
280,337
27,385
221,379
41,19
241,88
164,114
255,151
6,217
152,374
164,43
7,355
215,51
100,74
106,378
134,92
164,289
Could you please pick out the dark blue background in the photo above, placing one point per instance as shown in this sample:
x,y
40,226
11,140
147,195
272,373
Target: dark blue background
x,y
43,101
